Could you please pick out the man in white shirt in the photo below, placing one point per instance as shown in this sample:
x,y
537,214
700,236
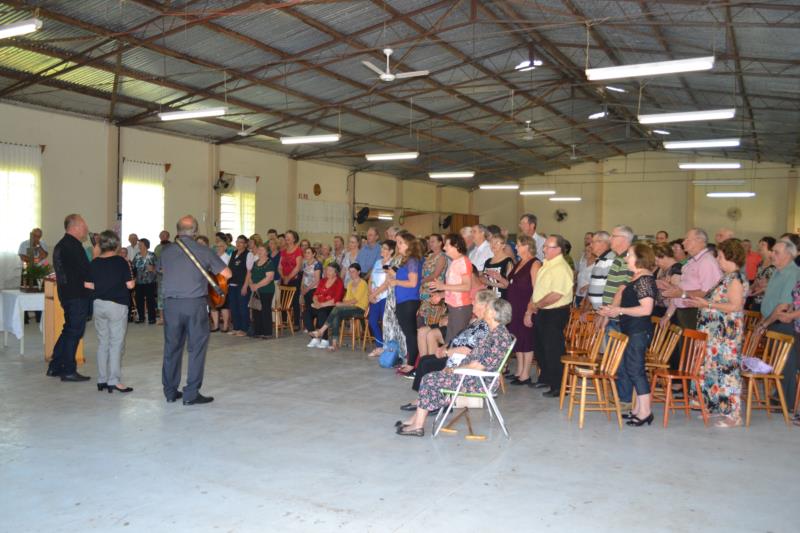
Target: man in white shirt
x,y
466,233
527,225
37,245
482,250
134,247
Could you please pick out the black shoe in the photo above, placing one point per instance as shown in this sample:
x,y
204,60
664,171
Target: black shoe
x,y
540,385
408,407
518,381
102,386
636,421
112,388
628,416
552,393
178,396
140,321
199,400
75,377
51,372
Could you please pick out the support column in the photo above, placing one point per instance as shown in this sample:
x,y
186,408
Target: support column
x,y
209,217
398,194
792,218
113,169
291,196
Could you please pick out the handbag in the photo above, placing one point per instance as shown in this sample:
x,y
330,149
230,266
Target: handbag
x,y
255,301
389,354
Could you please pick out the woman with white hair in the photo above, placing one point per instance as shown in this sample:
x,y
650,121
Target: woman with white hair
x,y
487,355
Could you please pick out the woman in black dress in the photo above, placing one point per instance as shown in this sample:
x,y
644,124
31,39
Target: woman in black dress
x,y
497,267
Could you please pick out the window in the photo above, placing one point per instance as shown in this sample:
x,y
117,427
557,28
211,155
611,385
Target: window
x,y
237,207
20,205
142,200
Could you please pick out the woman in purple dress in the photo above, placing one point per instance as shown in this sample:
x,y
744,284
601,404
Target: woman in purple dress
x,y
518,293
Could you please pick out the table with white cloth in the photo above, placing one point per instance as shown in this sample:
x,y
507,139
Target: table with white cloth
x,y
13,304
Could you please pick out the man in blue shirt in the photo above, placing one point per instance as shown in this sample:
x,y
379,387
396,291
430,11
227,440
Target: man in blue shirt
x,y
369,253
777,298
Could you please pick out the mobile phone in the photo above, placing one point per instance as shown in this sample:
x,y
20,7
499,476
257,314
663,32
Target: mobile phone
x,y
93,238
386,267
395,268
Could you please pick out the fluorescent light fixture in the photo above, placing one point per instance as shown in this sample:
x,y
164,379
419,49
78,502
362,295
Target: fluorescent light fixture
x,y
385,217
528,65
392,157
537,193
309,139
707,143
709,166
718,182
599,114
199,113
463,174
688,116
565,199
615,89
20,28
650,69
499,187
661,132
741,194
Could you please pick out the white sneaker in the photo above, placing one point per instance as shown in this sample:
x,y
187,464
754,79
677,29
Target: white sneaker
x,y
313,344
323,343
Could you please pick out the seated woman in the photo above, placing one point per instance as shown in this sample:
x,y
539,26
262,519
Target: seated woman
x,y
329,291
459,347
487,355
354,305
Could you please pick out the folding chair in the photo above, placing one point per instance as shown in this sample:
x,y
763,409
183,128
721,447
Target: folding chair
x,y
485,398
284,306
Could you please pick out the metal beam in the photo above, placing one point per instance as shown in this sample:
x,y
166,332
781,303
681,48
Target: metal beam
x,y
740,79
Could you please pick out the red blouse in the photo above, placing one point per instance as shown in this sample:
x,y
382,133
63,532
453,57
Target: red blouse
x,y
335,292
289,261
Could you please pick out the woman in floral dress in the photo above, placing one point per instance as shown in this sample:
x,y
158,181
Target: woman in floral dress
x,y
433,269
487,355
721,317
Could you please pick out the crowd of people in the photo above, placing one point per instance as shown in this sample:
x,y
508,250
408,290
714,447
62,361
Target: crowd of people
x,y
462,299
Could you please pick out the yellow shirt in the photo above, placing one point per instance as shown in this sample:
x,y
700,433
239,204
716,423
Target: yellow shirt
x,y
555,275
360,294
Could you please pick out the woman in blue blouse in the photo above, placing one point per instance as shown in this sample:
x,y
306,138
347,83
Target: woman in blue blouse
x,y
405,281
144,264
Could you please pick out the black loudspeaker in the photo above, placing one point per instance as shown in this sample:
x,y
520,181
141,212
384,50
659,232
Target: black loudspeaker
x,y
447,221
362,215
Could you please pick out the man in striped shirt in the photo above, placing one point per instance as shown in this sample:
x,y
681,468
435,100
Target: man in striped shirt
x,y
601,247
618,274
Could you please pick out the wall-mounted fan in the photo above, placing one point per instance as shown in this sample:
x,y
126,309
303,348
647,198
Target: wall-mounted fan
x,y
560,215
224,182
362,215
446,221
388,75
734,213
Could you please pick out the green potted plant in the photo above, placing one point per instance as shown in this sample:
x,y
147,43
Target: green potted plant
x,y
33,276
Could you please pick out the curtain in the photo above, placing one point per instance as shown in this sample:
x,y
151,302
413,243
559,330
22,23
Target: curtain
x,y
20,206
237,207
142,200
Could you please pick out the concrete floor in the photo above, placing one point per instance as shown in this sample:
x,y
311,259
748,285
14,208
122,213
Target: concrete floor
x,y
302,440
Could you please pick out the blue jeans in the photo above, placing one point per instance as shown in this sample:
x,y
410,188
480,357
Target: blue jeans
x,y
240,313
375,316
631,373
76,311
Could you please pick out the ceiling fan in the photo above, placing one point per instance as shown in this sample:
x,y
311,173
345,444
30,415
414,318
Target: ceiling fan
x,y
390,76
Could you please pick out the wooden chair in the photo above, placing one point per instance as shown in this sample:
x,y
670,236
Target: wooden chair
x,y
571,330
367,337
753,344
659,334
692,355
462,400
751,320
797,394
284,306
588,360
660,358
352,327
776,352
603,380
583,336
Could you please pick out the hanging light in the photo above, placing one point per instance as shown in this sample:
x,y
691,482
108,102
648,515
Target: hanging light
x,y
396,156
499,187
731,194
458,174
22,27
709,166
706,143
688,116
199,113
650,69
310,139
537,193
565,199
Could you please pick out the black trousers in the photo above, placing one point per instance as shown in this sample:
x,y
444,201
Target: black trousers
x,y
307,315
790,369
427,364
318,318
76,311
686,319
548,343
407,317
296,300
185,324
146,297
262,320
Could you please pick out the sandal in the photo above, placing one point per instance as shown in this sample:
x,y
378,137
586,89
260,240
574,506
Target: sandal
x,y
375,353
728,422
405,432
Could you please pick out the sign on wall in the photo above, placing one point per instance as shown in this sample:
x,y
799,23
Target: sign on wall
x,y
314,216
